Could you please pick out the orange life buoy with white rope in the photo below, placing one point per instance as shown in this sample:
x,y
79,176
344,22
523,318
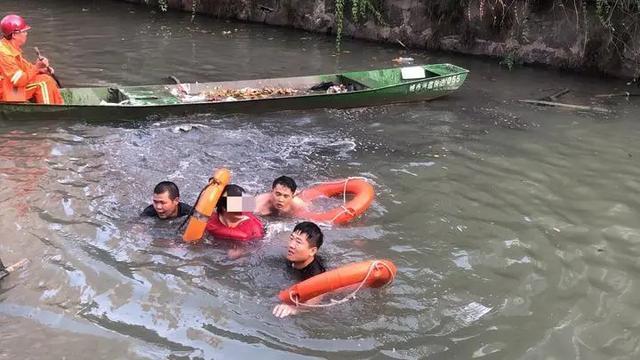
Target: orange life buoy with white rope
x,y
363,195
371,273
205,205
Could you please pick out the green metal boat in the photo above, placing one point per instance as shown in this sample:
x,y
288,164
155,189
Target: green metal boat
x,y
345,90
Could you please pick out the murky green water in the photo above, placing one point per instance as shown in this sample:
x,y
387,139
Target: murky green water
x,y
515,229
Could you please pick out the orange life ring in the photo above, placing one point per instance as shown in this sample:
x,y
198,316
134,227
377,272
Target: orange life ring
x,y
205,205
363,197
371,273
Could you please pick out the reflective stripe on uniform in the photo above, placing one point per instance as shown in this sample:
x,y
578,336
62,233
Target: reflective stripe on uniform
x,y
16,77
43,91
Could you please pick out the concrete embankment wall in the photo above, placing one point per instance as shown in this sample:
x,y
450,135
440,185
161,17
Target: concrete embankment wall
x,y
559,33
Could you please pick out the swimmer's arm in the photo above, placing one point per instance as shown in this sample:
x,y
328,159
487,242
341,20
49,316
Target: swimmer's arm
x,y
236,253
262,205
299,205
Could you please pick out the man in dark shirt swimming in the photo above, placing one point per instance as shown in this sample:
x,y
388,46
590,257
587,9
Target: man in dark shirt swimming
x,y
304,242
166,202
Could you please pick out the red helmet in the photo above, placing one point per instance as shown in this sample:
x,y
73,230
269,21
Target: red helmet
x,y
12,23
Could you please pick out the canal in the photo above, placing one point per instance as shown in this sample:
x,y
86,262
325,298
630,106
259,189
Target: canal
x,y
514,228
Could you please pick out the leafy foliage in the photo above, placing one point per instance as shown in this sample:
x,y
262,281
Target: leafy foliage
x,y
620,27
608,28
509,60
360,9
163,5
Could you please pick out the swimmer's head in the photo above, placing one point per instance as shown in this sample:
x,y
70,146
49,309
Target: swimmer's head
x,y
282,191
304,242
166,198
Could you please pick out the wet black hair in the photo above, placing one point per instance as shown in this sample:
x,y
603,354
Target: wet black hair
x,y
167,186
286,182
230,190
313,232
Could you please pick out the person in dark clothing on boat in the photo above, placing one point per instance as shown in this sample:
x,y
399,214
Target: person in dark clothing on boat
x,y
304,242
166,202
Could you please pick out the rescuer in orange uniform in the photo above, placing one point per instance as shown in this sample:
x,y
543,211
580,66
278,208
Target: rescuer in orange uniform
x,y
20,80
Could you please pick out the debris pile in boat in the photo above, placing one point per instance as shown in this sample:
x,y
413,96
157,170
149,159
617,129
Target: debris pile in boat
x,y
221,94
334,89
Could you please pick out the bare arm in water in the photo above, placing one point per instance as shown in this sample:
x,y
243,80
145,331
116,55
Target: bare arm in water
x,y
298,206
263,204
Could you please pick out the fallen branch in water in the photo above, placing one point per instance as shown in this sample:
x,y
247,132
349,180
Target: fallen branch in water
x,y
555,96
9,269
17,266
625,94
567,106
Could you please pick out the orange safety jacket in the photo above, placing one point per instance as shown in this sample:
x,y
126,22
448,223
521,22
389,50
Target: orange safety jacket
x,y
15,73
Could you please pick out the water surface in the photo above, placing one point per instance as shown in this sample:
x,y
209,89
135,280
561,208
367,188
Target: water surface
x,y
514,228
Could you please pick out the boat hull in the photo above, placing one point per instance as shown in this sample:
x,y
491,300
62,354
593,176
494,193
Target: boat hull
x,y
163,104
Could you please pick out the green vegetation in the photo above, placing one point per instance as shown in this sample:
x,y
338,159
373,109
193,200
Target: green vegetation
x,y
360,10
607,30
163,5
509,60
621,21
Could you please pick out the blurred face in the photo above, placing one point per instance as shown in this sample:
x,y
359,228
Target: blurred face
x,y
233,212
299,249
165,207
240,204
20,38
281,197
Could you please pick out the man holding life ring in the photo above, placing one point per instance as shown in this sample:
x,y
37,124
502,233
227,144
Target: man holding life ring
x,y
20,80
166,202
304,242
231,220
281,201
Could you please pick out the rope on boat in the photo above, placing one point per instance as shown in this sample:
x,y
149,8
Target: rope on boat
x,y
349,296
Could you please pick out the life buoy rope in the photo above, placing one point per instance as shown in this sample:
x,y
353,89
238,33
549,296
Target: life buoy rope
x,y
340,182
346,211
352,295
